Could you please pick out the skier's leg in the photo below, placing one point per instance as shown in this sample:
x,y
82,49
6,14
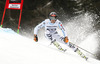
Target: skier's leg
x,y
53,41
61,40
49,37
72,46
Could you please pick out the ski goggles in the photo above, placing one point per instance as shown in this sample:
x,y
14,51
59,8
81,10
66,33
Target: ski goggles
x,y
53,18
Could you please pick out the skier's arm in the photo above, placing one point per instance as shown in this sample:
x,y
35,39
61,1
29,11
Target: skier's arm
x,y
41,25
63,31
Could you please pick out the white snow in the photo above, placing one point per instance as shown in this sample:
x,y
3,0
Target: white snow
x,y
17,49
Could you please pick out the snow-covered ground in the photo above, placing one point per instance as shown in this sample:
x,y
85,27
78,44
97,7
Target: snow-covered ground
x,y
17,49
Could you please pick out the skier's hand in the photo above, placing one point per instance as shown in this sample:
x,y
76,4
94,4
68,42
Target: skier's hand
x,y
66,40
35,38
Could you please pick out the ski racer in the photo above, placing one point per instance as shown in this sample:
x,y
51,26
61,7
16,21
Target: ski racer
x,y
51,24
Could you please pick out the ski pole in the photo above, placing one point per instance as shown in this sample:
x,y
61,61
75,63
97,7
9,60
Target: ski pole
x,y
84,49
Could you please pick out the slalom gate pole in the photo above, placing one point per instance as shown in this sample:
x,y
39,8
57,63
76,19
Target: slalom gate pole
x,y
3,15
84,49
19,21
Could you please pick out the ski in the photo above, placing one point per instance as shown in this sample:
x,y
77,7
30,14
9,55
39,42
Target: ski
x,y
58,46
81,54
83,49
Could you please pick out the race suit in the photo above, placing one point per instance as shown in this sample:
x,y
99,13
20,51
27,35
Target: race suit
x,y
51,31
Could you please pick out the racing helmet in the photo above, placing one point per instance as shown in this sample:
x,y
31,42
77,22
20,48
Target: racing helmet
x,y
53,16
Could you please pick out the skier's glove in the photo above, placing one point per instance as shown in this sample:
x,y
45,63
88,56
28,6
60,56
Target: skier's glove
x,y
66,40
35,38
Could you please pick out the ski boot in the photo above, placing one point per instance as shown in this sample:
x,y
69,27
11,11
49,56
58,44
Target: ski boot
x,y
58,46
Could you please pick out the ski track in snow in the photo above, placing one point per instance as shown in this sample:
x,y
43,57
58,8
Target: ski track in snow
x,y
17,49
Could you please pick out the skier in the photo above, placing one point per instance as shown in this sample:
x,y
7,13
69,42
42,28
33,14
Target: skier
x,y
51,26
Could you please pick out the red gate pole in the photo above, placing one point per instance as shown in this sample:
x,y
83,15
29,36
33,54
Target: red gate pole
x,y
3,15
20,16
19,21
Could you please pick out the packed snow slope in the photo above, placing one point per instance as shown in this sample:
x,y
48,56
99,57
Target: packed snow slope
x,y
17,49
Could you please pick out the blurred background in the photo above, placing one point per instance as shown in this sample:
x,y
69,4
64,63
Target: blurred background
x,y
80,17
